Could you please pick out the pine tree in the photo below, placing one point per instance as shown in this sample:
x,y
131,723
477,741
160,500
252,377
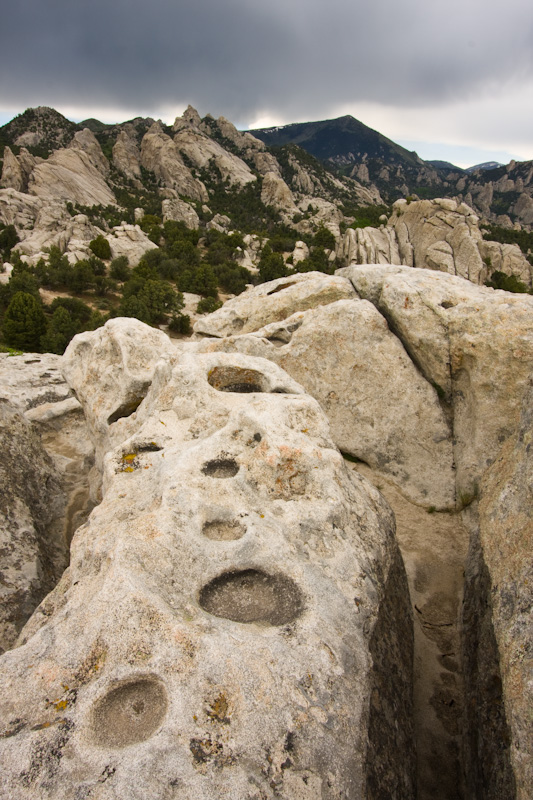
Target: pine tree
x,y
24,322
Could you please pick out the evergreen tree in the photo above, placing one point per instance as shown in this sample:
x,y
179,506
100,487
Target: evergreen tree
x,y
24,322
61,328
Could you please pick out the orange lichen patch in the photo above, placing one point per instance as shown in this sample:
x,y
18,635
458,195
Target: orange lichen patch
x,y
218,709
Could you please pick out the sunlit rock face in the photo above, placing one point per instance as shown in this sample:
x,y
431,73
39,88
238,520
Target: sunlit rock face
x,y
235,619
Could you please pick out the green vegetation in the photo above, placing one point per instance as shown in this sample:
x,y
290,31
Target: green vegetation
x,y
523,238
8,239
366,216
24,322
509,283
100,247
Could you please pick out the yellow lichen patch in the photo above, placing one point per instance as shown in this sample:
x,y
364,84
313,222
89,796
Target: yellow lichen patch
x,y
128,469
218,709
61,705
129,457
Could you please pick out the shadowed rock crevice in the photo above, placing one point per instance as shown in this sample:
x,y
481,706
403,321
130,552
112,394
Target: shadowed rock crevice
x,y
391,760
487,737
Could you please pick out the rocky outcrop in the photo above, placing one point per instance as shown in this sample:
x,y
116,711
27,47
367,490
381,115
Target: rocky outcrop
x,y
506,535
272,302
369,246
202,150
277,194
19,209
127,156
53,226
474,344
32,558
86,140
381,410
160,155
203,596
443,235
180,211
12,176
46,457
112,369
69,174
130,241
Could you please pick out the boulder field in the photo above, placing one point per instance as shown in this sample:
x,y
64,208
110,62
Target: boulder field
x,y
236,619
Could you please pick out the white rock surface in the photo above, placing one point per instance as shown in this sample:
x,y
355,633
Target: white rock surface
x,y
381,410
277,194
160,155
204,597
474,343
179,210
200,149
69,174
130,241
127,156
12,176
272,302
445,236
369,246
506,534
86,140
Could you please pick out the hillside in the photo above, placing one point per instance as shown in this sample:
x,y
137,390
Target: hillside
x,y
160,222
354,149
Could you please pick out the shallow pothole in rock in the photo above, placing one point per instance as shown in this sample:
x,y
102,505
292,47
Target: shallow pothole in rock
x,y
235,379
129,407
129,713
221,530
253,596
221,468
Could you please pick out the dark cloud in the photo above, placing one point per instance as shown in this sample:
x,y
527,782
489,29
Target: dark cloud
x,y
241,57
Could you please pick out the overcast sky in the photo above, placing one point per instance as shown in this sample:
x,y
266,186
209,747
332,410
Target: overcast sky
x,y
452,80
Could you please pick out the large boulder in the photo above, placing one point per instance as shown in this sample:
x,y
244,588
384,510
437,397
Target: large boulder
x,y
130,241
369,246
474,344
86,140
381,409
276,193
112,369
49,440
444,235
180,211
12,177
274,301
231,616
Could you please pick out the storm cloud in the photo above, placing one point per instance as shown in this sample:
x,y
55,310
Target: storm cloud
x,y
290,59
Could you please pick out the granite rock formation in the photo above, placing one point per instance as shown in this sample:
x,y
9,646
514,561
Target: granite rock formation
x,y
203,598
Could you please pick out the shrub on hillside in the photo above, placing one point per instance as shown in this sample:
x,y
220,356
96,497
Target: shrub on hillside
x,y
100,247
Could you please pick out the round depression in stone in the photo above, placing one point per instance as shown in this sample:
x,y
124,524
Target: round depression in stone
x,y
235,379
253,596
220,468
129,713
222,530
